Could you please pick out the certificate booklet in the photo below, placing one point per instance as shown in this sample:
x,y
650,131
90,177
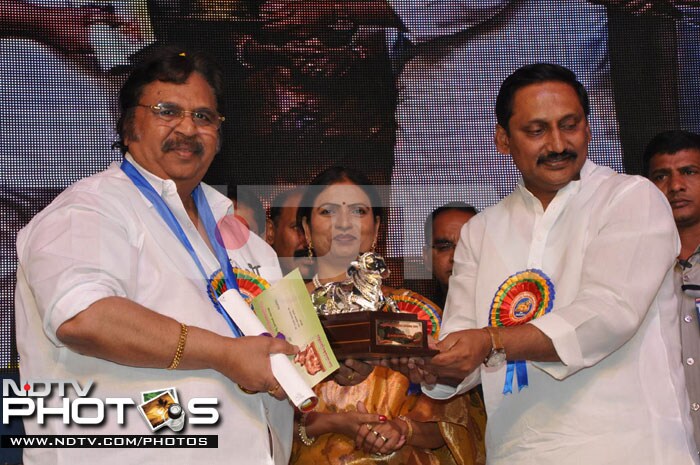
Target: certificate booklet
x,y
286,308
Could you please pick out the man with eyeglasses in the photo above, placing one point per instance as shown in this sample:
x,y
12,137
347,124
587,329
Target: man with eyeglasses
x,y
442,229
115,286
672,162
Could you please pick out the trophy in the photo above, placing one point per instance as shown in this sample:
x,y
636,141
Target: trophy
x,y
361,322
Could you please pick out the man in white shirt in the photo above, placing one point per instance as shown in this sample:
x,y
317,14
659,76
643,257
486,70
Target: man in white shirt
x,y
113,285
672,162
561,301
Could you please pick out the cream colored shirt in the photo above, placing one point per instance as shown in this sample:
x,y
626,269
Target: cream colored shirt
x,y
690,334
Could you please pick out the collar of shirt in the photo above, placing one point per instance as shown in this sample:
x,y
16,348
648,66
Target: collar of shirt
x,y
220,205
562,195
544,220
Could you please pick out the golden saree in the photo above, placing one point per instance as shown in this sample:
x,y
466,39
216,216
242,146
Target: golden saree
x,y
461,421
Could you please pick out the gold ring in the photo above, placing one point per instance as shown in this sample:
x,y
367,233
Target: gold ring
x,y
369,427
376,433
351,376
383,438
247,391
272,390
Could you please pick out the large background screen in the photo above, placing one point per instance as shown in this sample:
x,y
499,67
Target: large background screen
x,y
410,106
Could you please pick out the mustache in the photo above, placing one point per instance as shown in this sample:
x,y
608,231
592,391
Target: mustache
x,y
557,156
189,143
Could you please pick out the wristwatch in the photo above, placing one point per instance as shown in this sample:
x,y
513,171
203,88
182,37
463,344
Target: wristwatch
x,y
497,356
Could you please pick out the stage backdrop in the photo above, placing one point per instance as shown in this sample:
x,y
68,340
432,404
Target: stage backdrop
x,y
412,106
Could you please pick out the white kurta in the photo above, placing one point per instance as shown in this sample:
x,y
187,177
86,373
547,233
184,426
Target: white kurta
x,y
102,238
608,243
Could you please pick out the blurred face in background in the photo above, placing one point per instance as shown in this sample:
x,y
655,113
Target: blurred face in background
x,y
286,236
246,214
440,253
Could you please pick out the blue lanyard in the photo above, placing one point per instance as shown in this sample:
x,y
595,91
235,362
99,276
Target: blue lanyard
x,y
207,218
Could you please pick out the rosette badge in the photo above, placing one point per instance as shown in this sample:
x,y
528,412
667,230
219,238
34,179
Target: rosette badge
x,y
250,285
522,297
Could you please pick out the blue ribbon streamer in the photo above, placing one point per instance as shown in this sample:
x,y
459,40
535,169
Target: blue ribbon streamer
x,y
518,369
207,218
521,374
508,385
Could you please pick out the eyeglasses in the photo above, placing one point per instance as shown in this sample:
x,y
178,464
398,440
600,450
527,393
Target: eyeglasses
x,y
169,112
444,246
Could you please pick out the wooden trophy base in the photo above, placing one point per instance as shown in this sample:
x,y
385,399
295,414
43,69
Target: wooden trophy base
x,y
376,335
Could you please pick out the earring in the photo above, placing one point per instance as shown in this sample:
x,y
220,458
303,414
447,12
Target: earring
x,y
374,245
310,248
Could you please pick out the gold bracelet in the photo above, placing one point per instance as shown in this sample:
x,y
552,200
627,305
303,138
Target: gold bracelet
x,y
180,347
409,426
302,431
247,391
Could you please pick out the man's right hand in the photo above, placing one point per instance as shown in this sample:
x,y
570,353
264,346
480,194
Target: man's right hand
x,y
461,353
149,339
246,361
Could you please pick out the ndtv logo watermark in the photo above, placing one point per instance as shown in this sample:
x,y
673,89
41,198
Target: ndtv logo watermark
x,y
159,408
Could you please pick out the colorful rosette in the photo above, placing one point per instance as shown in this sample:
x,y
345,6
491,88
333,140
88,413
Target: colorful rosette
x,y
425,310
523,296
250,285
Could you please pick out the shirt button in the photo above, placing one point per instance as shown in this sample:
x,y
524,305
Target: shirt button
x,y
690,361
688,318
695,406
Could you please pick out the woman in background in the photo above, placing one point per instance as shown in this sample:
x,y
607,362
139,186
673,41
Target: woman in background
x,y
383,418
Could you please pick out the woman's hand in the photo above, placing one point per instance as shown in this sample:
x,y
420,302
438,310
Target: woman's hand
x,y
384,438
379,438
350,424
